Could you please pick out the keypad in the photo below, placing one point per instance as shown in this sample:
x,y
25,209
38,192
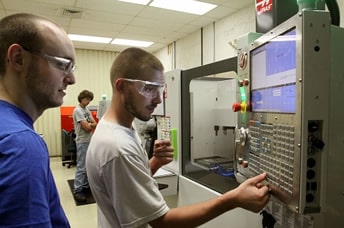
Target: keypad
x,y
271,150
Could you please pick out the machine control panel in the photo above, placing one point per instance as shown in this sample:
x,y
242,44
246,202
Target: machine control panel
x,y
289,121
281,115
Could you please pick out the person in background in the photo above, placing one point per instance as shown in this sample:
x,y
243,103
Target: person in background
x,y
37,61
84,124
119,172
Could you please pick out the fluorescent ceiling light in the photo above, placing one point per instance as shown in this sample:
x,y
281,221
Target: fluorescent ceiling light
x,y
135,43
187,6
93,39
141,2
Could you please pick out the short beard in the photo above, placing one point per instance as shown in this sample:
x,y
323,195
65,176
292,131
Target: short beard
x,y
132,109
37,89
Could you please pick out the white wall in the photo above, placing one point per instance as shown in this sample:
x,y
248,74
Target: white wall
x,y
188,51
166,56
211,43
92,73
230,28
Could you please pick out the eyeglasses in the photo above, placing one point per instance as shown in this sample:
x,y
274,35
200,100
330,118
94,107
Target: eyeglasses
x,y
65,65
146,88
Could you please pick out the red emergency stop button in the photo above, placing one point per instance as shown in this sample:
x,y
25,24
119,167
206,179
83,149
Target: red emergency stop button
x,y
236,107
243,107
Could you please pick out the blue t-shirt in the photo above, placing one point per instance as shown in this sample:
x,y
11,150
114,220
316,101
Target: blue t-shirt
x,y
28,193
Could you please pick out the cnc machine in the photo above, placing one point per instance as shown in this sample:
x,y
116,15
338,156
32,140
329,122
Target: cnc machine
x,y
290,125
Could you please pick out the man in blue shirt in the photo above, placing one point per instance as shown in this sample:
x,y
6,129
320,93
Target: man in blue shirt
x,y
36,66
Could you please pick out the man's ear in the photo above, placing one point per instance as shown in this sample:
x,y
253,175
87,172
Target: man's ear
x,y
120,84
15,56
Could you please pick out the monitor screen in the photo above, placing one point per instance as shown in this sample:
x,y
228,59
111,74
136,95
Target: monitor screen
x,y
273,75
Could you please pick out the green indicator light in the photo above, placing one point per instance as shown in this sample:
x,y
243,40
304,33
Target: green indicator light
x,y
242,94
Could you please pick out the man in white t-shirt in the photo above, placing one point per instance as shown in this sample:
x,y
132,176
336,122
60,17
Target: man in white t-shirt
x,y
119,172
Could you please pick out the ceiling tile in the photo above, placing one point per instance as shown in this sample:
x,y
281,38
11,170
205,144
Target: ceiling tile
x,y
111,18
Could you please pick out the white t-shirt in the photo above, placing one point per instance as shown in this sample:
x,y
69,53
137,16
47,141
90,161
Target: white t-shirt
x,y
120,178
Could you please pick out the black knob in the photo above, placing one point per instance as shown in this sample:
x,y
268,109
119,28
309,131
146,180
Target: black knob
x,y
310,174
310,162
309,198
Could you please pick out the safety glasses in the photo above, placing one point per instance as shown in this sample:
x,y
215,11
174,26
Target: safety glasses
x,y
65,65
146,88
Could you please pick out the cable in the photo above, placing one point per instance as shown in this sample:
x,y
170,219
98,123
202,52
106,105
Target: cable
x,y
332,6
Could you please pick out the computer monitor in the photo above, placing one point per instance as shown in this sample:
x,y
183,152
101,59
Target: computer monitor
x,y
273,75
